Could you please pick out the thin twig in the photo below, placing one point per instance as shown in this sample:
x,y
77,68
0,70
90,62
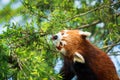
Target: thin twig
x,y
82,14
92,10
109,47
114,53
112,45
91,24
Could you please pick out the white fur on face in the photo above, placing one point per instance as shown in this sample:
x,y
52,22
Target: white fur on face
x,y
63,43
60,42
65,33
57,41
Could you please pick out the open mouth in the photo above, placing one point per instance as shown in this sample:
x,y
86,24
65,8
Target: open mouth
x,y
58,47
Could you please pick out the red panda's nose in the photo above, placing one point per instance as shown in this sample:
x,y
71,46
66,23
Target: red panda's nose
x,y
55,37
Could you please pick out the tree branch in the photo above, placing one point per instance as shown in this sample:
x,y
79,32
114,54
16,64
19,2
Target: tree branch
x,y
115,53
112,45
109,47
92,10
82,14
88,25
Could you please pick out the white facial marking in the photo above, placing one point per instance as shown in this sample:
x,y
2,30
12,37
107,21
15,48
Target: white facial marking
x,y
64,43
65,33
78,58
59,39
84,33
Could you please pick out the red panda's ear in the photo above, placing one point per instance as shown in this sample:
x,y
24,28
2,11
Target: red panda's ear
x,y
78,58
84,34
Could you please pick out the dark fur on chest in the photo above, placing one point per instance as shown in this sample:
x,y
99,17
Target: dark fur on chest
x,y
83,71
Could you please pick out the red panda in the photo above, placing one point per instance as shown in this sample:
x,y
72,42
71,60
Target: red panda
x,y
81,58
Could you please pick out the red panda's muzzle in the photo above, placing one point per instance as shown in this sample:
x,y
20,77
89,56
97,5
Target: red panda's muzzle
x,y
59,48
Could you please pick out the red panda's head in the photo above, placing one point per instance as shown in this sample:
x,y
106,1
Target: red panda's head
x,y
68,41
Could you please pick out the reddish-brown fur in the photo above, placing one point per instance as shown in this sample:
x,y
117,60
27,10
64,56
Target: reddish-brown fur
x,y
101,66
100,63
